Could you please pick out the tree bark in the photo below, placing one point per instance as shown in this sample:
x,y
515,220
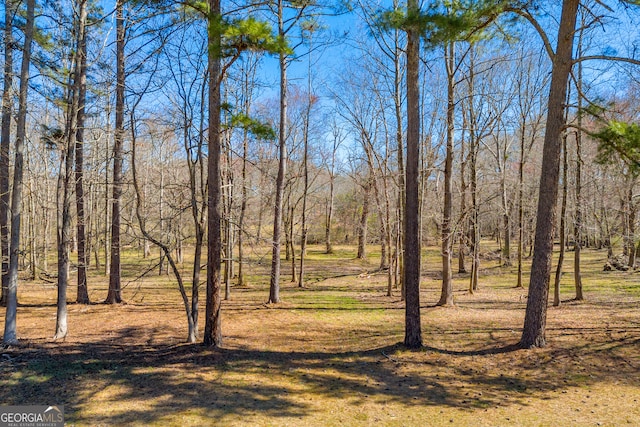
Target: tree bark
x,y
82,296
397,101
411,279
330,202
577,230
10,332
364,220
274,284
533,334
213,324
446,294
563,224
5,142
114,295
473,184
462,233
521,203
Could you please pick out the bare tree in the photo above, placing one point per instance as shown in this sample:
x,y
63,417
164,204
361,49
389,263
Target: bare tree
x,y
5,142
81,87
446,295
10,334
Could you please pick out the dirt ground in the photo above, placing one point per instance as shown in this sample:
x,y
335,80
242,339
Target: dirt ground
x,y
329,355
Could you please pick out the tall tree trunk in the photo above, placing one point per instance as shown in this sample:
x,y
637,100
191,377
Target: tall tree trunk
x,y
473,185
248,76
5,142
64,224
289,241
243,208
213,324
228,218
446,294
519,283
114,295
397,101
577,229
304,226
506,221
462,243
475,226
106,239
274,285
81,78
192,319
330,202
533,334
631,228
305,162
197,184
33,241
411,279
10,332
563,223
67,177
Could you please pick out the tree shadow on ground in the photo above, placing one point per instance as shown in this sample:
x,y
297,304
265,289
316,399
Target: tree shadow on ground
x,y
231,383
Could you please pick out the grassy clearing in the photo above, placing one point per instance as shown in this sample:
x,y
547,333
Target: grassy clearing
x,y
329,354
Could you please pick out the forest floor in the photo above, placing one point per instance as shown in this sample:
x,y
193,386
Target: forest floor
x,y
329,354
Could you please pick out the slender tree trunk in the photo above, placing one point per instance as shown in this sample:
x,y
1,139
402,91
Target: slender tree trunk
x,y
473,185
364,220
506,222
197,183
64,232
161,264
248,76
47,222
446,295
631,243
411,279
475,226
228,220
462,243
81,78
305,163
329,218
73,144
192,320
243,208
5,142
10,332
519,283
533,334
389,237
563,224
213,324
33,232
577,230
114,295
289,241
397,98
274,285
330,202
106,239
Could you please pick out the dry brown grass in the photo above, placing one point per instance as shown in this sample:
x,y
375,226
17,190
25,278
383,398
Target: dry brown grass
x,y
329,355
